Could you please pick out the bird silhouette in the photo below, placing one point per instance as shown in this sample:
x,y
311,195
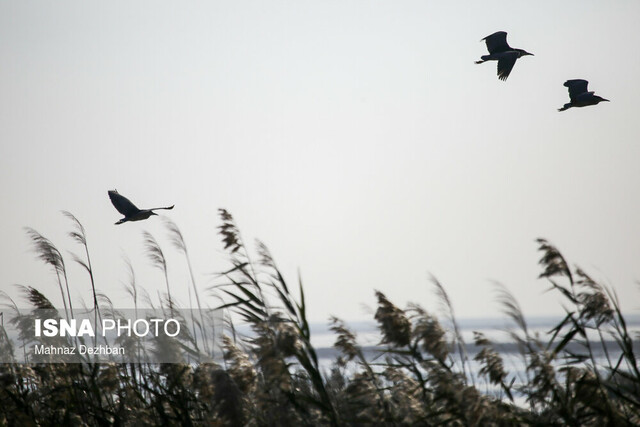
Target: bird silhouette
x,y
499,50
129,210
579,95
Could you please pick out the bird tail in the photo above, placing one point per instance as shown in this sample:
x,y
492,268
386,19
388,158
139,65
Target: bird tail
x,y
564,107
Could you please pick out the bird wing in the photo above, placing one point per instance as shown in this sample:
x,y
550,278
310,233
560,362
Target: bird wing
x,y
122,204
155,209
576,87
497,42
505,65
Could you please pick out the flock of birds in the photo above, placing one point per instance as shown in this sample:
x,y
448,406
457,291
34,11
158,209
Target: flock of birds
x,y
499,50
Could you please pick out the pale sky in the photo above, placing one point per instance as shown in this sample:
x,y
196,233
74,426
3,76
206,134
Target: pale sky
x,y
357,139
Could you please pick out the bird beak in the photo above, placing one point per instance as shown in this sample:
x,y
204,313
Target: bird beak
x,y
530,54
605,100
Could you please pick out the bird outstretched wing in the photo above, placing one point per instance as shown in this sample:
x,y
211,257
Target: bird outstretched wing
x,y
505,65
167,207
576,87
122,204
497,42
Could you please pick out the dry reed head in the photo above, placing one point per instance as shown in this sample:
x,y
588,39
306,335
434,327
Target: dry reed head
x,y
511,308
229,231
154,252
552,261
175,235
492,365
429,333
543,382
239,366
406,396
202,379
78,234
393,322
287,339
593,301
270,356
46,250
364,406
345,341
38,300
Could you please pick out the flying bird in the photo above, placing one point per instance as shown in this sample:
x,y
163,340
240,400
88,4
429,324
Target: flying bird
x,y
499,50
129,210
579,95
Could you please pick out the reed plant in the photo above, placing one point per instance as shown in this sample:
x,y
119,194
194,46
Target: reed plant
x,y
584,371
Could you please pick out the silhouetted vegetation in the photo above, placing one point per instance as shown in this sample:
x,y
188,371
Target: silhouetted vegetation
x,y
272,376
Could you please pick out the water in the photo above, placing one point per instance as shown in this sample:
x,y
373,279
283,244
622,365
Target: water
x,y
494,329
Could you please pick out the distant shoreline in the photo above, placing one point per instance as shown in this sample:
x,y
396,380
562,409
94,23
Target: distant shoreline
x,y
472,349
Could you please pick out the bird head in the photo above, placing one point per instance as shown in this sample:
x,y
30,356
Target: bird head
x,y
600,99
524,52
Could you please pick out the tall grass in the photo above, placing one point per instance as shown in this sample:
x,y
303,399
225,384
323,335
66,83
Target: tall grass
x,y
272,375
